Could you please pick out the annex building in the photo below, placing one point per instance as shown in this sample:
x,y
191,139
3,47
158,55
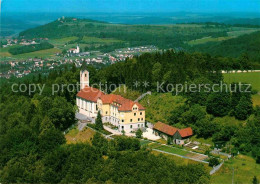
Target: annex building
x,y
177,136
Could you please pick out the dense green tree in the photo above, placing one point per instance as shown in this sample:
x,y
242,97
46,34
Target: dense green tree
x,y
98,122
218,103
244,108
139,133
100,143
213,161
255,180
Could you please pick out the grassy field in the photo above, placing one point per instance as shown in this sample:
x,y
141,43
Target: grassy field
x,y
231,34
74,136
240,32
207,39
182,161
173,150
40,54
250,78
88,39
62,41
256,99
159,106
202,140
244,167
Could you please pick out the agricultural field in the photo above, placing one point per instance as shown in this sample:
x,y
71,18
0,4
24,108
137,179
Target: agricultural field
x,y
238,32
5,55
175,150
242,168
231,34
62,41
207,39
249,77
4,51
87,39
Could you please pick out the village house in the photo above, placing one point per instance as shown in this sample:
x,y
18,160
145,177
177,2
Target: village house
x,y
175,135
123,113
74,51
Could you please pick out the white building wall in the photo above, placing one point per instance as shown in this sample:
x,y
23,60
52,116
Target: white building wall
x,y
87,108
127,127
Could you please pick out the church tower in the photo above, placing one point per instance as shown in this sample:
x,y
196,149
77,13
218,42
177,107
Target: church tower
x,y
84,79
84,76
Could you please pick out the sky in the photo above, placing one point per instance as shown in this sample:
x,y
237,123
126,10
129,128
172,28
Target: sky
x,y
130,6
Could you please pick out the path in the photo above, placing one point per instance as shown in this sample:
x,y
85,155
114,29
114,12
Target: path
x,y
180,156
143,95
239,71
216,168
220,153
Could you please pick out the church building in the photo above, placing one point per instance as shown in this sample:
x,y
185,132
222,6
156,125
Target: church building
x,y
123,113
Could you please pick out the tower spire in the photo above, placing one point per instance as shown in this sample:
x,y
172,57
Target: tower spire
x,y
84,76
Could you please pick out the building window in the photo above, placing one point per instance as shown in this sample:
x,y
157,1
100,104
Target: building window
x,y
85,75
142,119
138,119
131,120
122,127
122,120
96,108
134,114
106,112
141,113
131,126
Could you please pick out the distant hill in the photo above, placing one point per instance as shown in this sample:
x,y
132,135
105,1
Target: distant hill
x,y
107,37
244,21
163,36
248,43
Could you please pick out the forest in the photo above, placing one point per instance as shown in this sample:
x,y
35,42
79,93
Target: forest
x,y
30,48
32,143
234,47
33,149
202,108
163,36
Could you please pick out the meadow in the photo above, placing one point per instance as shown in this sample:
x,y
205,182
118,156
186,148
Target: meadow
x,y
62,41
207,39
76,136
241,168
160,105
248,77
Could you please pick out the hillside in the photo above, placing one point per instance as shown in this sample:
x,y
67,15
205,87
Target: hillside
x,y
163,36
234,47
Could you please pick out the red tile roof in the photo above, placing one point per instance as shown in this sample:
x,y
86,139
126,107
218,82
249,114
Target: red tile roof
x,y
122,103
90,94
186,132
169,130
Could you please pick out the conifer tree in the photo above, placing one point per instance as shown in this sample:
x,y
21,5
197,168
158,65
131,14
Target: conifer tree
x,y
98,122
